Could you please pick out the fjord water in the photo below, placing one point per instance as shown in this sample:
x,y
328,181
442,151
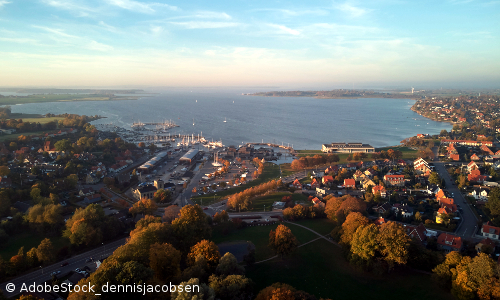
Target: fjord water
x,y
304,122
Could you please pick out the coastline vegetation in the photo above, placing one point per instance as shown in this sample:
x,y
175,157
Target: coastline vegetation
x,y
40,98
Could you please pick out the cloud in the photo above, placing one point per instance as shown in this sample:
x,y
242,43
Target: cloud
x,y
139,6
71,6
3,2
93,45
204,15
205,25
352,10
284,29
56,31
294,13
108,27
19,40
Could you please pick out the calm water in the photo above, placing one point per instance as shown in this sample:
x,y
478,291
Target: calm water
x,y
304,122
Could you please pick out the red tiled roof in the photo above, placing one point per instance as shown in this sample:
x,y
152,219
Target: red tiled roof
x,y
327,178
488,228
349,182
450,240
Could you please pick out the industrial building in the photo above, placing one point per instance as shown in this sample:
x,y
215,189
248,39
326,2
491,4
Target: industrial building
x,y
150,164
347,148
189,157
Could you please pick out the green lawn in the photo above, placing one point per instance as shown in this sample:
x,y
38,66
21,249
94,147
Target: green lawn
x,y
28,240
407,152
43,120
321,226
59,97
267,200
319,268
271,171
259,236
309,151
9,137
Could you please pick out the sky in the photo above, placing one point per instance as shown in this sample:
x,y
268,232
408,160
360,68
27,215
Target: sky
x,y
287,44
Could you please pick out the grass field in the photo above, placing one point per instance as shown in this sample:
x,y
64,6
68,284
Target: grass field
x,y
319,268
407,152
259,202
259,236
28,240
271,171
10,137
42,120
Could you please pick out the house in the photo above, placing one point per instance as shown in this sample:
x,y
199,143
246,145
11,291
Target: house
x,y
480,194
146,191
394,180
454,157
296,184
475,176
357,175
332,169
367,182
449,242
327,179
490,231
314,184
318,202
370,173
486,150
475,157
382,208
442,211
401,162
92,179
484,242
472,166
418,232
404,210
349,183
421,166
379,189
92,199
444,200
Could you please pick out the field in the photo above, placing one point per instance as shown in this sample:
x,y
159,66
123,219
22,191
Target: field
x,y
320,268
40,120
259,202
407,153
271,171
28,240
59,97
14,136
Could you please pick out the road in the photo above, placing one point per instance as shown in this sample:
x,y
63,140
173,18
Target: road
x,y
78,261
469,220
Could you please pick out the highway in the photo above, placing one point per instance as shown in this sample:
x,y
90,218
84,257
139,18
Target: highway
x,y
79,261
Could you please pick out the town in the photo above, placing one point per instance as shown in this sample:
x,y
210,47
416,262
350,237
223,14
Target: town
x,y
80,205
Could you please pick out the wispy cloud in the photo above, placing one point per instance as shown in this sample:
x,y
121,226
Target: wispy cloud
x,y
3,2
70,5
284,29
294,13
58,32
204,15
460,1
108,27
205,25
351,10
132,5
93,45
18,40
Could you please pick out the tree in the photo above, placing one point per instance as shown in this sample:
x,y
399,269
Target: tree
x,y
142,145
63,145
228,265
203,293
435,179
230,287
191,227
45,251
365,242
282,291
162,196
394,243
165,261
331,208
493,203
171,213
351,224
4,171
207,249
282,241
143,206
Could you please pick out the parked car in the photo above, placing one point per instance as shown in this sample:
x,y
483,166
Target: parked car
x,y
64,264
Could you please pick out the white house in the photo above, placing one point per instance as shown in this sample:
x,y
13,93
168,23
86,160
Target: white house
x,y
480,194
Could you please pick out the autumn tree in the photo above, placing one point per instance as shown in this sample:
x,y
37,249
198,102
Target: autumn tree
x,y
191,226
282,241
171,213
228,265
364,242
143,206
353,221
232,287
45,251
203,293
394,243
165,261
208,250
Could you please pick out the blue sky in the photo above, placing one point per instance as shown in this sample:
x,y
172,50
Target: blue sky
x,y
376,43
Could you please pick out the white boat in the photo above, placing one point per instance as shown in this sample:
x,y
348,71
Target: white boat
x,y
225,120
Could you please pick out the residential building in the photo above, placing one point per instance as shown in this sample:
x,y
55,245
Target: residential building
x,y
92,198
394,180
327,179
146,191
379,189
314,184
449,242
296,184
490,231
349,183
480,194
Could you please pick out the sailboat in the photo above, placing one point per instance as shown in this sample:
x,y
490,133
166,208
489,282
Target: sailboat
x,y
225,121
193,121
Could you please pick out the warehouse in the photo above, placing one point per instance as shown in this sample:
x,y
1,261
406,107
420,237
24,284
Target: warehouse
x,y
189,157
148,166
